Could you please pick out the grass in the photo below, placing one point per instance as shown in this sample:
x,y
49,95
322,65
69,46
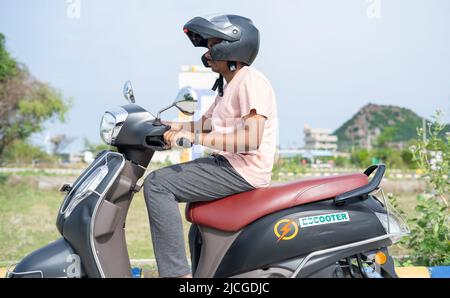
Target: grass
x,y
27,222
28,215
138,229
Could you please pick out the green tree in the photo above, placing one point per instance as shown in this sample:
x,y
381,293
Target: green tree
x,y
25,103
391,157
60,142
407,158
361,158
96,148
386,136
8,66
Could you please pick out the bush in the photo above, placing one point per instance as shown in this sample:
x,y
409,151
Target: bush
x,y
22,152
361,158
288,165
393,158
407,158
3,178
430,234
96,148
341,161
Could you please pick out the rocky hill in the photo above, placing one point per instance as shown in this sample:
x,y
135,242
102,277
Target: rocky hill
x,y
374,124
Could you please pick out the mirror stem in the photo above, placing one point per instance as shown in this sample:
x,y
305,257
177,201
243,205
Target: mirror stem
x,y
157,121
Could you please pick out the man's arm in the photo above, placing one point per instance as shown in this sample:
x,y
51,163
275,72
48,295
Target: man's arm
x,y
203,125
243,140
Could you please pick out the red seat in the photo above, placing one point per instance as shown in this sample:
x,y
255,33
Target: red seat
x,y
235,212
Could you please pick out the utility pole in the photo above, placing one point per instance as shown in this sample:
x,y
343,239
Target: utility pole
x,y
368,145
424,128
353,143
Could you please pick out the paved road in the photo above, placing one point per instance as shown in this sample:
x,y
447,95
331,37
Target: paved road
x,y
403,272
2,272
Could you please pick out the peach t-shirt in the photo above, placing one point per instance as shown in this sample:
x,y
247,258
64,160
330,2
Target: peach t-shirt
x,y
248,90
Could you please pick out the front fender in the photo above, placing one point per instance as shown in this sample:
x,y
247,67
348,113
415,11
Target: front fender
x,y
55,260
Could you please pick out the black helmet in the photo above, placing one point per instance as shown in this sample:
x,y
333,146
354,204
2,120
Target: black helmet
x,y
240,38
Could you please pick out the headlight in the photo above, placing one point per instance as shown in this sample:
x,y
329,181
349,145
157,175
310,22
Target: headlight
x,y
107,127
111,124
86,188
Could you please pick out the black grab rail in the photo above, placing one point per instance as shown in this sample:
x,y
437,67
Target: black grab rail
x,y
364,191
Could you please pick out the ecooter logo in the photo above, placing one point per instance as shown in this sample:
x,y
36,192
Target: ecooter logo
x,y
285,229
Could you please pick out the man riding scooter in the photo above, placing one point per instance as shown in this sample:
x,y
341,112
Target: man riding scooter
x,y
240,127
339,226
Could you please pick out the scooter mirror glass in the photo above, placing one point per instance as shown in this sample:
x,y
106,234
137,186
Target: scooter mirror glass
x,y
186,100
128,92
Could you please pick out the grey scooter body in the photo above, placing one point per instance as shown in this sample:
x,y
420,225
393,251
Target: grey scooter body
x,y
92,225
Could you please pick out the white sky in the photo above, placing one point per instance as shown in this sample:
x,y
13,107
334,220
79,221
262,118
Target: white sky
x,y
325,59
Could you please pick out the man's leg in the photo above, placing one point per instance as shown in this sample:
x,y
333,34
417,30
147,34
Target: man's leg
x,y
203,179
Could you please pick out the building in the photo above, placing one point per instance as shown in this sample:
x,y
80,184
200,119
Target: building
x,y
196,76
319,139
79,157
201,79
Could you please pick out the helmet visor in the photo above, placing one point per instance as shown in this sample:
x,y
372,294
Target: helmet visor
x,y
220,21
199,29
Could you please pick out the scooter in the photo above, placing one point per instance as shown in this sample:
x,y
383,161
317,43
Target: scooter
x,y
339,226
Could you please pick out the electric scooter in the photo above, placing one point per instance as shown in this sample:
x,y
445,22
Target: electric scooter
x,y
339,226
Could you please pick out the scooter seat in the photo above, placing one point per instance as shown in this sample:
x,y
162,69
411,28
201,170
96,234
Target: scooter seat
x,y
235,212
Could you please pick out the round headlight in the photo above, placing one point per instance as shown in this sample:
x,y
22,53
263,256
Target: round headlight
x,y
107,127
111,124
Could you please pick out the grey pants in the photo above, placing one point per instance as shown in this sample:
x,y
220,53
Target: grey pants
x,y
203,179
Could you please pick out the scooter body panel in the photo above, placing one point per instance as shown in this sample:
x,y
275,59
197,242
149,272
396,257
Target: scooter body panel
x,y
55,260
262,243
77,227
94,228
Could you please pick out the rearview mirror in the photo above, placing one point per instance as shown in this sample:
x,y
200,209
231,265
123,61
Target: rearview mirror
x,y
186,100
128,92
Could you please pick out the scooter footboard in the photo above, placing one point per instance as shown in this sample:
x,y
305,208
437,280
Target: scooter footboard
x,y
55,260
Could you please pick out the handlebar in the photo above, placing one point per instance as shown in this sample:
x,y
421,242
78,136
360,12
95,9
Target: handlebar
x,y
157,142
183,142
